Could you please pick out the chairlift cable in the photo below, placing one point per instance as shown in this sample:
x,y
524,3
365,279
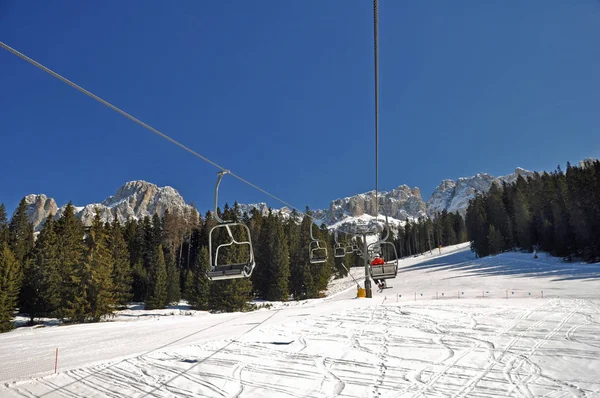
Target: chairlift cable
x,y
376,46
141,123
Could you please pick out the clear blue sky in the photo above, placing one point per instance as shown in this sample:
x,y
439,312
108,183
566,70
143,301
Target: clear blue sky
x,y
281,92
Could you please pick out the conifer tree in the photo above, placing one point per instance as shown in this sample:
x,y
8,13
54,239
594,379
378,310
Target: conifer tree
x,y
399,241
21,233
496,240
40,291
263,254
324,270
10,280
292,232
4,233
157,289
522,220
122,272
460,228
448,231
279,263
99,288
199,291
408,227
478,226
302,284
173,290
134,240
71,248
157,230
140,281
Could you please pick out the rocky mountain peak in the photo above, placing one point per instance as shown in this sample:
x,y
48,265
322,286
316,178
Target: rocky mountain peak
x,y
454,196
39,208
135,199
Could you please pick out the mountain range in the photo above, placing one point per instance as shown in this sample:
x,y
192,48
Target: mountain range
x,y
138,199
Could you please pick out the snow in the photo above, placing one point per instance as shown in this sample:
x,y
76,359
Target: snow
x,y
366,219
472,341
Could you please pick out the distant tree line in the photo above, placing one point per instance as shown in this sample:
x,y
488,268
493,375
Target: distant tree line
x,y
425,234
557,212
82,274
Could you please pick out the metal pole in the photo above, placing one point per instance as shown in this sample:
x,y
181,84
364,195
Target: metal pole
x,y
376,47
368,292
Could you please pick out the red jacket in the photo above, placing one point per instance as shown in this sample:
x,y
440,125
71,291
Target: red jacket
x,y
377,261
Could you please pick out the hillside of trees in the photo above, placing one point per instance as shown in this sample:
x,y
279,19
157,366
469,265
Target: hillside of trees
x,y
83,274
557,212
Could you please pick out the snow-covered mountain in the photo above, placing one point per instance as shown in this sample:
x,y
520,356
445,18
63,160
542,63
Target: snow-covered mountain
x,y
138,199
453,196
399,204
135,199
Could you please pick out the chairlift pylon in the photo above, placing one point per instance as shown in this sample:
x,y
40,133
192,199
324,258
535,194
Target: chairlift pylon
x,y
317,249
242,269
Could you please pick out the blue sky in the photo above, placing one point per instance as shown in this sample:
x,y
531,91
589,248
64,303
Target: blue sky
x,y
281,93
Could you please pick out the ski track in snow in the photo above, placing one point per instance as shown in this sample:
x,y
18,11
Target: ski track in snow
x,y
347,347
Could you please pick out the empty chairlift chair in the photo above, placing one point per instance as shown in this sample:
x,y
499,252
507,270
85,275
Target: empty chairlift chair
x,y
339,250
219,269
317,249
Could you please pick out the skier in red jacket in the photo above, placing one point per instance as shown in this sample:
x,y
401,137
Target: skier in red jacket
x,y
378,261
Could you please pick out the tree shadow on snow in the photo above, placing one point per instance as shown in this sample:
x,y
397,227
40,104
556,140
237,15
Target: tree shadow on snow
x,y
512,263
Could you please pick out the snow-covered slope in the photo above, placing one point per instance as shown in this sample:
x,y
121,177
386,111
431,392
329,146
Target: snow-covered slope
x,y
528,328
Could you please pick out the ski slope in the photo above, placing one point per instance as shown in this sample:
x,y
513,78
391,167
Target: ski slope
x,y
449,325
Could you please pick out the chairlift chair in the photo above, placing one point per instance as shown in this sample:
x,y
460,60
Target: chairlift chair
x,y
387,250
317,249
242,269
339,250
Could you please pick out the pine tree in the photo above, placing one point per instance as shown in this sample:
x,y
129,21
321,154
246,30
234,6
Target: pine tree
x,y
496,240
408,227
157,289
323,271
71,248
522,221
122,272
41,282
4,233
478,226
302,284
140,281
134,240
173,291
292,232
279,264
99,289
498,216
263,253
148,241
10,281
21,233
448,232
199,291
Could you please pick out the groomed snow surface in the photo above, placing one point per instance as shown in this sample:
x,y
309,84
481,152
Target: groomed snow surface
x,y
449,325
